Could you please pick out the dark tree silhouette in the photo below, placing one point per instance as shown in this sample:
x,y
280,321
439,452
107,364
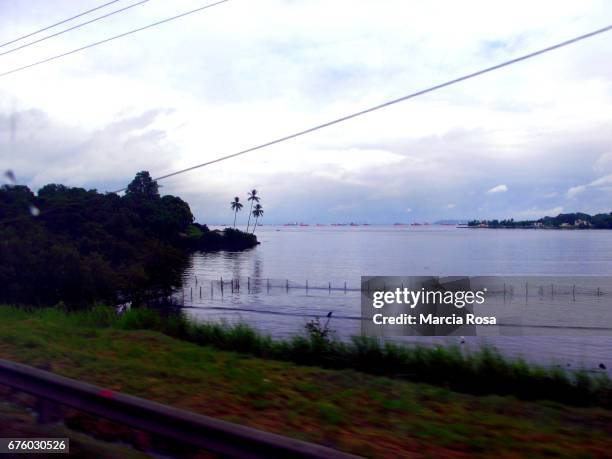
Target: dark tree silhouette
x,y
253,198
143,186
257,212
236,206
86,247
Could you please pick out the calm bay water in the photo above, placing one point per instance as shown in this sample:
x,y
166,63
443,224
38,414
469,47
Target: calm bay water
x,y
273,296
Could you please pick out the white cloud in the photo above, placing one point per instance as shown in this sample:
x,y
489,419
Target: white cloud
x,y
575,191
498,189
602,183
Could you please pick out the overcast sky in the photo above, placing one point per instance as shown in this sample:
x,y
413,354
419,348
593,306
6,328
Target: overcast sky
x,y
531,140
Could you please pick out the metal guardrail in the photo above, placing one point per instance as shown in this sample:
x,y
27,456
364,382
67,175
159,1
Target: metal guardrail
x,y
185,427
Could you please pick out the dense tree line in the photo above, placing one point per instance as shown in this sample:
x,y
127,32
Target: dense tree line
x,y
576,220
79,246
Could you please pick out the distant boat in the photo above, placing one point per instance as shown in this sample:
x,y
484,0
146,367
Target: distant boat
x,y
304,224
354,224
399,224
416,224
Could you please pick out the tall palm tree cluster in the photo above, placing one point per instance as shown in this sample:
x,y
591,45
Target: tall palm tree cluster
x,y
256,210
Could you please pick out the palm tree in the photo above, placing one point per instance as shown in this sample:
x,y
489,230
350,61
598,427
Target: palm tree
x,y
253,198
257,212
236,206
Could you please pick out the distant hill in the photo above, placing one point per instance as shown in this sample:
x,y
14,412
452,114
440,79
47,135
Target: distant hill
x,y
577,220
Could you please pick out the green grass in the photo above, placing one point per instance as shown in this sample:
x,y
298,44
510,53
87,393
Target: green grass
x,y
481,372
350,410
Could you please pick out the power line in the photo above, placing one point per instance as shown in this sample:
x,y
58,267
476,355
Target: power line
x,y
391,102
73,28
58,23
91,45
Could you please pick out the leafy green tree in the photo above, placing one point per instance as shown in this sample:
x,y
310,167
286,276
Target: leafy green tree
x,y
253,198
143,186
88,247
236,206
257,212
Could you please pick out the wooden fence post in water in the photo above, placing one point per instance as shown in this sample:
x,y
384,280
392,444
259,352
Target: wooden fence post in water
x,y
196,278
268,285
191,293
330,287
306,285
211,288
248,284
287,285
552,291
574,292
200,292
221,286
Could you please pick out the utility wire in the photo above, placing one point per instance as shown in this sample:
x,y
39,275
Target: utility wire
x,y
73,28
91,45
58,23
391,102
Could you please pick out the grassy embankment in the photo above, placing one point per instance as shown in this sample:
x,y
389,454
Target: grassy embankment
x,y
350,410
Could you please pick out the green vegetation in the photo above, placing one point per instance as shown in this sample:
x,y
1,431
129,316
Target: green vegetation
x,y
571,221
481,372
79,246
368,415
